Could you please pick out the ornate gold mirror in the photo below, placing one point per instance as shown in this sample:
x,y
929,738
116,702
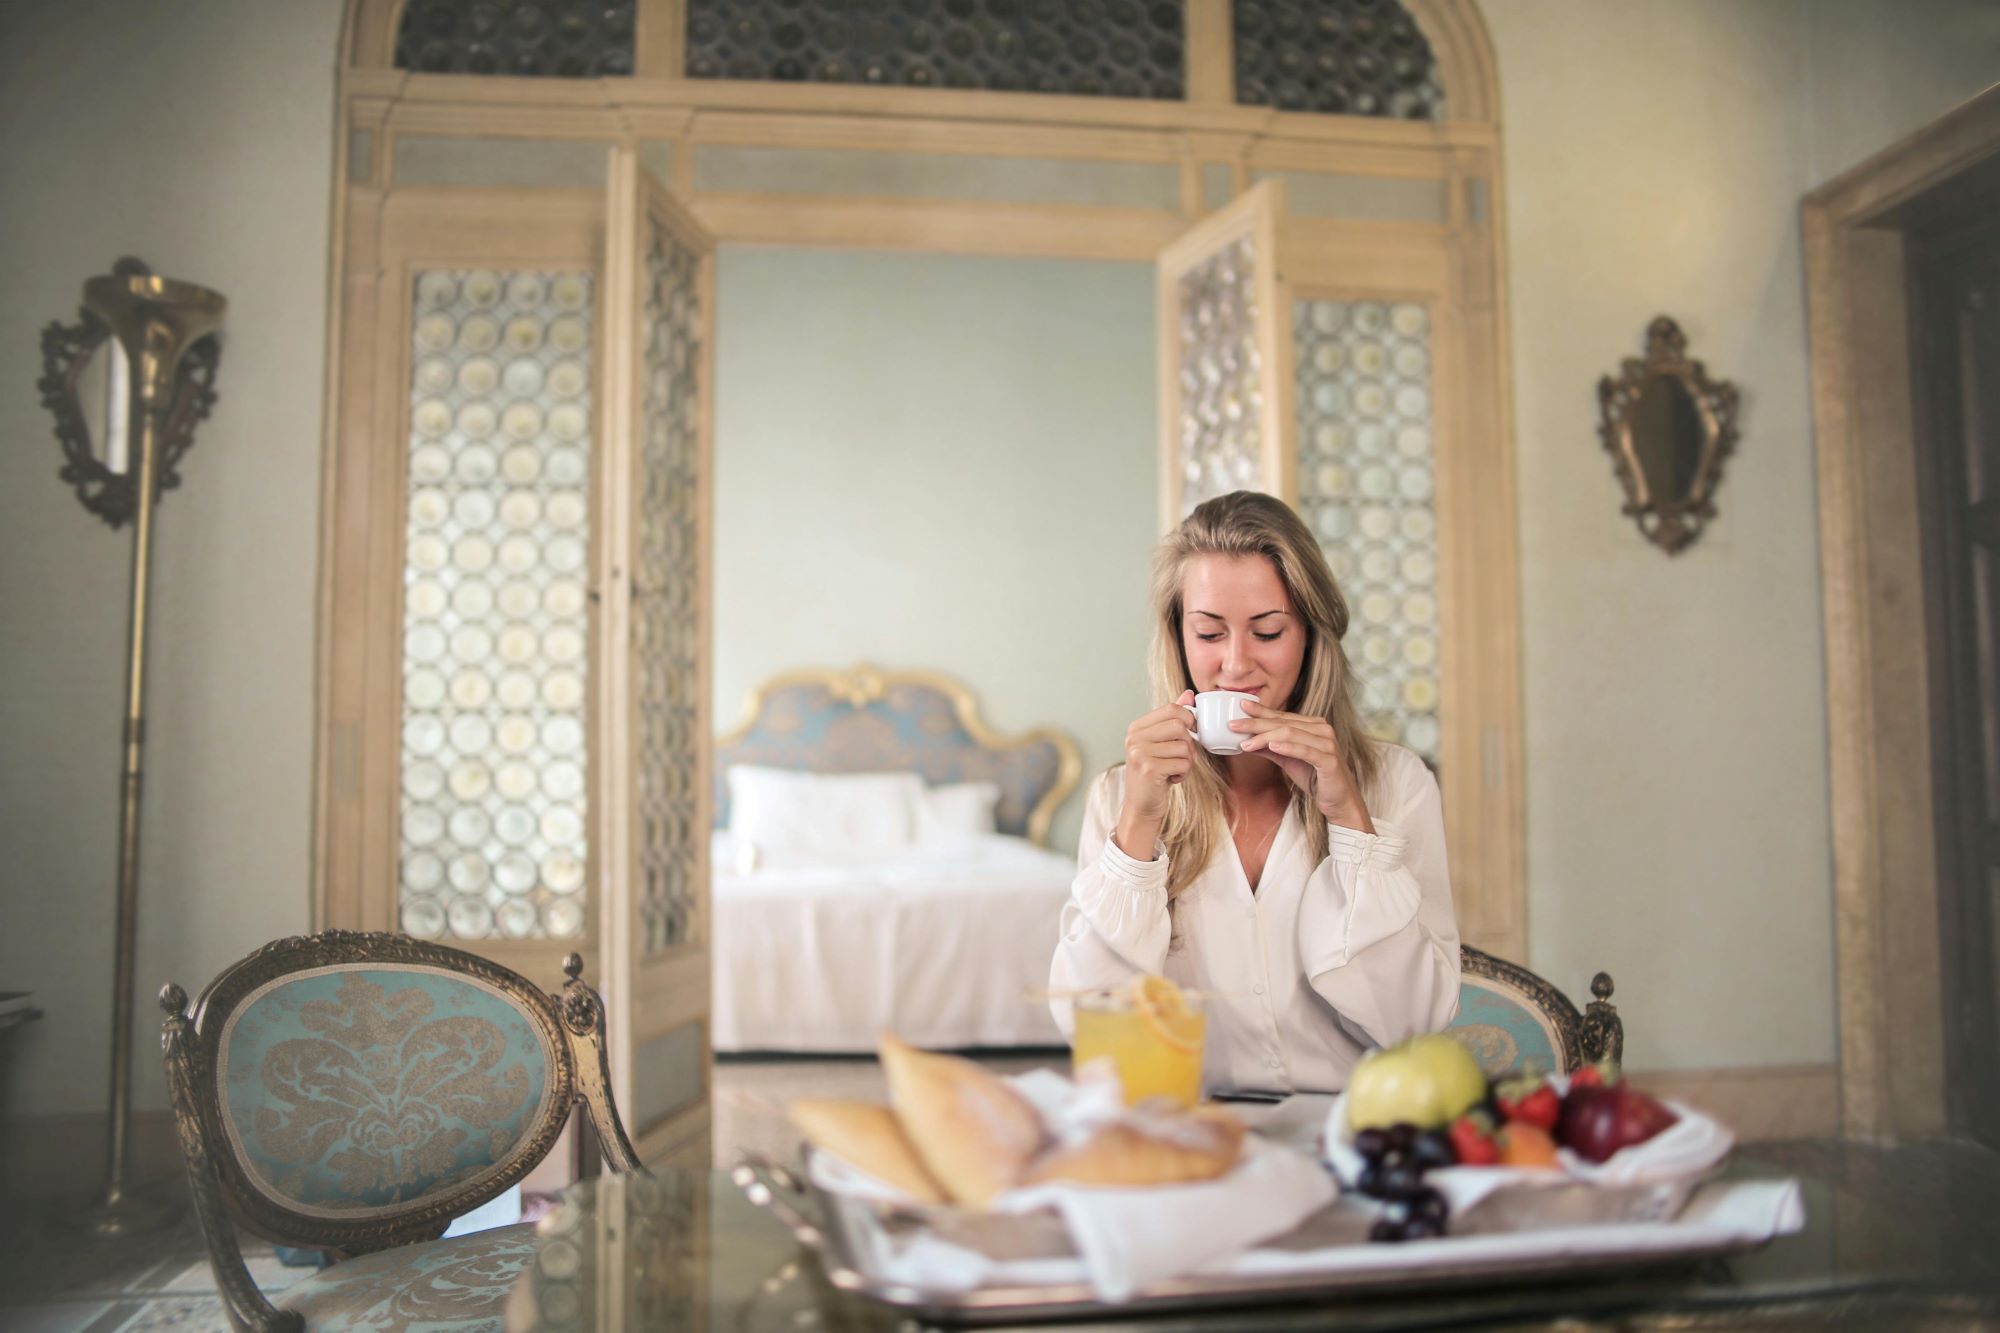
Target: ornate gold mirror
x,y
1668,427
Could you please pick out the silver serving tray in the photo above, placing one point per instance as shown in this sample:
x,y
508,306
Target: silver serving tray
x,y
825,1223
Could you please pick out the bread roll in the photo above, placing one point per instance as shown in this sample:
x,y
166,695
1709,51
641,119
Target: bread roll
x,y
1149,1150
870,1138
974,1133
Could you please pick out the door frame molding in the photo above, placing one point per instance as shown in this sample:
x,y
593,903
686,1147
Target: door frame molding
x,y
1890,1005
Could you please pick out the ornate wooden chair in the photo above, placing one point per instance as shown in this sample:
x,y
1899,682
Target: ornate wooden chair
x,y
1509,1017
356,1092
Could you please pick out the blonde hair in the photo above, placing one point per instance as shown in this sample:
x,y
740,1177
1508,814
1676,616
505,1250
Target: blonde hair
x,y
1248,523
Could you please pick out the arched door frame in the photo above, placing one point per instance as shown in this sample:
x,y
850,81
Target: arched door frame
x,y
1455,259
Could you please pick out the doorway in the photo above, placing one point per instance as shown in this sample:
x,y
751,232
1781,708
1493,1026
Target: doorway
x,y
1906,523
1953,238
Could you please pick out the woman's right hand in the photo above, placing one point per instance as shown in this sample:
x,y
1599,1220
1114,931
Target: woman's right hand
x,y
1159,752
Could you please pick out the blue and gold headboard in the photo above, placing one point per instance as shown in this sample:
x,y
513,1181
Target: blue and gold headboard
x,y
870,721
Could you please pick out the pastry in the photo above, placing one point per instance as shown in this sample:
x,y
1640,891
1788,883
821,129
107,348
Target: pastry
x,y
869,1138
974,1133
1141,1150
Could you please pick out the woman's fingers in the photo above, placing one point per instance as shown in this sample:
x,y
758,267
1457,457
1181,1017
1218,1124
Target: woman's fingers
x,y
1265,720
1161,754
1300,730
1167,728
1291,743
1168,715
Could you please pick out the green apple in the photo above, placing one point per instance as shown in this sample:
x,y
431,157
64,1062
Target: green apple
x,y
1427,1081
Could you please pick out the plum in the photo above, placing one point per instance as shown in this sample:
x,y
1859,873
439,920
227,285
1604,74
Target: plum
x,y
1598,1121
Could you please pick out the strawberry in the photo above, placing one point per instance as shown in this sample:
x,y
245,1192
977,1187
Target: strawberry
x,y
1600,1075
1529,1099
1472,1139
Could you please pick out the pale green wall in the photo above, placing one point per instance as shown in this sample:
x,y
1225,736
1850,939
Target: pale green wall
x,y
1676,711
1656,152
199,138
939,462
1879,71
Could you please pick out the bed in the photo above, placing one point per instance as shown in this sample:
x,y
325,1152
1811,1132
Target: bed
x,y
937,939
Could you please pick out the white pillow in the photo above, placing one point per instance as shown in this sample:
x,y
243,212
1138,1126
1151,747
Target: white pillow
x,y
783,818
957,812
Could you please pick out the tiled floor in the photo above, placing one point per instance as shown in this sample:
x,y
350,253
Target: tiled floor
x,y
56,1279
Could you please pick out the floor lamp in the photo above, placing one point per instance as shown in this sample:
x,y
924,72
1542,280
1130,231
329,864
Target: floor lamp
x,y
161,350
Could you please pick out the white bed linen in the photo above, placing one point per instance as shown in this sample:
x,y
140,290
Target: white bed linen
x,y
939,944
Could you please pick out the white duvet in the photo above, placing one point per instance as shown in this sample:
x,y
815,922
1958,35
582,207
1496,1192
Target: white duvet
x,y
940,945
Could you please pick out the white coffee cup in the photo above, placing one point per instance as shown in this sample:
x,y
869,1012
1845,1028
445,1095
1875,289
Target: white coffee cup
x,y
1213,711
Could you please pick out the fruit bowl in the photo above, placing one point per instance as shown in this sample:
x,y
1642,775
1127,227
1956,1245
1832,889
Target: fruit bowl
x,y
1645,1182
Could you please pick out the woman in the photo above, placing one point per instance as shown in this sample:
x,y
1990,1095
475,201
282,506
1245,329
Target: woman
x,y
1300,883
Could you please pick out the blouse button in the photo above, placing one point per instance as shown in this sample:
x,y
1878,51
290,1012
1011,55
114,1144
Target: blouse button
x,y
1258,989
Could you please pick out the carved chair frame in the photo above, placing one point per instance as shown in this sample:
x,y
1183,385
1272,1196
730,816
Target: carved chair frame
x,y
570,1021
1583,1038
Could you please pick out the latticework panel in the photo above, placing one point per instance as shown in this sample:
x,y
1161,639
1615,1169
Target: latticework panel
x,y
1086,48
1221,433
1366,488
573,39
495,619
1346,57
666,607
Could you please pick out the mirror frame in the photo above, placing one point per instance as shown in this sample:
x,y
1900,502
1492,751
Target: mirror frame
x,y
1669,522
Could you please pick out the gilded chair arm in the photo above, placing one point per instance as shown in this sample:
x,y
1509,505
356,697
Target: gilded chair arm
x,y
583,1018
249,1310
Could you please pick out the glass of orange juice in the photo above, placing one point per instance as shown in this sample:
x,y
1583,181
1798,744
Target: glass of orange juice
x,y
1152,1031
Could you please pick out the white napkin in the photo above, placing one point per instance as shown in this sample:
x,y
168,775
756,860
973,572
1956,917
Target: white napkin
x,y
1131,1238
1126,1238
1672,1163
1722,1215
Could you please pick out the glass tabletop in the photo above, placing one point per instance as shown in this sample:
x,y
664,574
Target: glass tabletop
x,y
1895,1237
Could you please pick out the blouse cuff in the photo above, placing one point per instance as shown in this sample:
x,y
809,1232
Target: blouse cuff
x,y
1130,870
1381,850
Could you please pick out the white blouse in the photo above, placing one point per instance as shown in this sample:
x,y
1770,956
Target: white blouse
x,y
1321,963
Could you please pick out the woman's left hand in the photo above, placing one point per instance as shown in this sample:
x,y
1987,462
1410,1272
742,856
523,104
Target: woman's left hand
x,y
1305,748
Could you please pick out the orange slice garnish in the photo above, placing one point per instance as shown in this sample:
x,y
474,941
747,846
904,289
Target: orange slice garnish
x,y
1166,1012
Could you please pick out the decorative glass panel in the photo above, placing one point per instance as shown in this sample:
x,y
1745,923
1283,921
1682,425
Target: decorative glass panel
x,y
495,618
570,39
1347,57
1221,396
1089,48
666,604
1366,486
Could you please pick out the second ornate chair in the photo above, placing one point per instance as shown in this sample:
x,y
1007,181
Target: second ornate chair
x,y
355,1093
1508,1018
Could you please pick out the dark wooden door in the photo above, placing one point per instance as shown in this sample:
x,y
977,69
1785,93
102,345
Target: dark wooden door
x,y
1955,272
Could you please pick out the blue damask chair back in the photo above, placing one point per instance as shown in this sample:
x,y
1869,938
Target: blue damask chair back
x,y
356,1092
1510,1018
360,1092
